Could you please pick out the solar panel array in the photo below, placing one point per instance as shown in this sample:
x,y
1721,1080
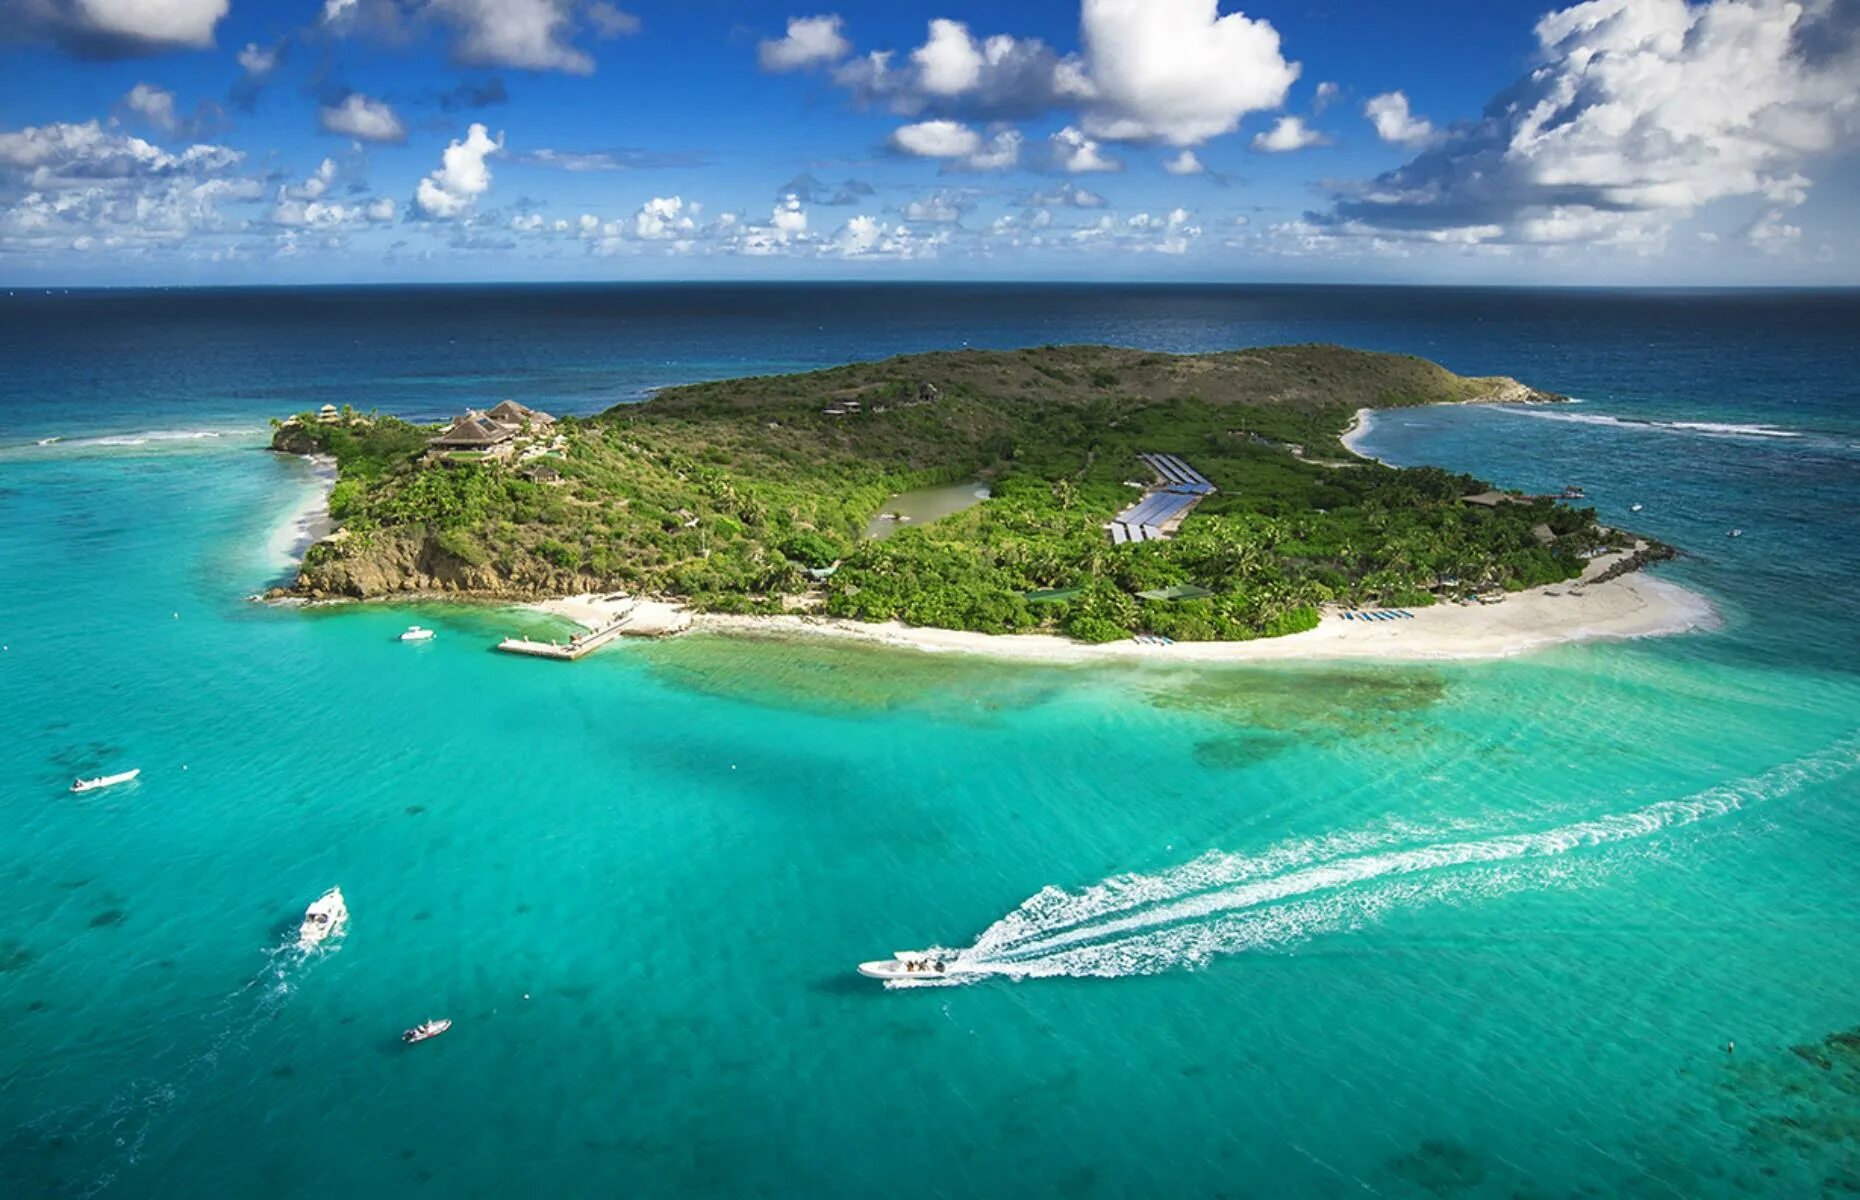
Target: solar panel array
x,y
1182,487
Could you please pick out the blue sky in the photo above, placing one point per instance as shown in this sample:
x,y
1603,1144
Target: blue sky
x,y
1609,142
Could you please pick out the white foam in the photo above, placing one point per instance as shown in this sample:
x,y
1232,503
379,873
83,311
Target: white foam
x,y
1224,903
1707,428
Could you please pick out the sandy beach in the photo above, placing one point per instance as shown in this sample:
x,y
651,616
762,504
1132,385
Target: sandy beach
x,y
1352,437
1634,605
309,522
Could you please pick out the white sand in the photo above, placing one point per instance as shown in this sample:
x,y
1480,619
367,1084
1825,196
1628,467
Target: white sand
x,y
646,618
1631,606
1352,438
309,522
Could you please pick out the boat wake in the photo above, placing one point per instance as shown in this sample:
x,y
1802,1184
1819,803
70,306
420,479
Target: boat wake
x,y
106,1139
1225,903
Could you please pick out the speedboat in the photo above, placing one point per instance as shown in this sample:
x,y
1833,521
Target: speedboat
x,y
425,1030
417,633
1735,533
104,781
1635,507
908,966
324,918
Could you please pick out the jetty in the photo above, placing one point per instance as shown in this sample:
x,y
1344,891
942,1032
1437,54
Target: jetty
x,y
577,646
1178,488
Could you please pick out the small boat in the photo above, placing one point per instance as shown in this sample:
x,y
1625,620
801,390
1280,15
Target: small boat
x,y
417,633
908,966
1735,533
1635,507
104,781
425,1030
325,918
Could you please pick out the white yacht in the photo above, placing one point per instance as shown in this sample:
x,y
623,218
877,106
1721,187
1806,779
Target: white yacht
x,y
324,918
104,781
909,966
417,633
425,1030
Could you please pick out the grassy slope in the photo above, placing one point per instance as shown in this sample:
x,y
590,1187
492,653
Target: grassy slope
x,y
720,492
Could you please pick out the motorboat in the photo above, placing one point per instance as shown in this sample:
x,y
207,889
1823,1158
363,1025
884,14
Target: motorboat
x,y
1635,507
909,966
104,781
1735,533
425,1030
325,918
417,633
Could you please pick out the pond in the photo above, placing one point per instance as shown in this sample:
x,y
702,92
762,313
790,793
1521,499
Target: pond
x,y
924,505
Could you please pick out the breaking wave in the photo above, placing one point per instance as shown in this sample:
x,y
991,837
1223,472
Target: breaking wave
x,y
145,440
1225,903
1706,428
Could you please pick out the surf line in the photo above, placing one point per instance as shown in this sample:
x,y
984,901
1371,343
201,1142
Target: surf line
x,y
1223,903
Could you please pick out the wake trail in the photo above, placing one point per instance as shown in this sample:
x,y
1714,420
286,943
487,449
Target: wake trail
x,y
1224,903
111,1137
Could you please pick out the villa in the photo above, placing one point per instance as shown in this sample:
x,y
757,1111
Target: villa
x,y
492,434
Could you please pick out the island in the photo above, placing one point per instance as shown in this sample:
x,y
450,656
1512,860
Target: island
x,y
1116,494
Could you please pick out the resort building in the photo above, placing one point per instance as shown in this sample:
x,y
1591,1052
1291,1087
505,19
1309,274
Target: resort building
x,y
492,434
327,415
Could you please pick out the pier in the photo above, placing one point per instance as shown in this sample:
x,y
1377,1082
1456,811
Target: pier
x,y
577,646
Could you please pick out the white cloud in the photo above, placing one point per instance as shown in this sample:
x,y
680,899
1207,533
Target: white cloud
x,y
868,237
1394,123
998,154
860,235
462,176
322,214
258,61
1172,71
1326,93
1184,163
77,187
1772,233
665,217
610,21
957,76
117,27
809,42
318,183
530,34
1078,154
1177,71
575,161
936,139
950,62
1639,113
363,118
155,105
939,208
43,157
789,219
1066,195
1288,134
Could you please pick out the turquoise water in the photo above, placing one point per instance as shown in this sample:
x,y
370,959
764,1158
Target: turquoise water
x,y
1470,930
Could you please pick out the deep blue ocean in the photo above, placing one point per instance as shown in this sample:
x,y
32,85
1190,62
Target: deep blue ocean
x,y
1467,929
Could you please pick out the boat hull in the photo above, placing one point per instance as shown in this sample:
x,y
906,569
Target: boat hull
x,y
104,781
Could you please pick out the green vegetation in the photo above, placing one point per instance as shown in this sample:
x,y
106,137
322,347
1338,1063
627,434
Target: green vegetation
x,y
726,493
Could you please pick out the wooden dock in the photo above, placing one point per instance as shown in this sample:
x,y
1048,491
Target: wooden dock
x,y
577,646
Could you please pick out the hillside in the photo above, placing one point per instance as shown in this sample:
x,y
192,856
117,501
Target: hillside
x,y
725,493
